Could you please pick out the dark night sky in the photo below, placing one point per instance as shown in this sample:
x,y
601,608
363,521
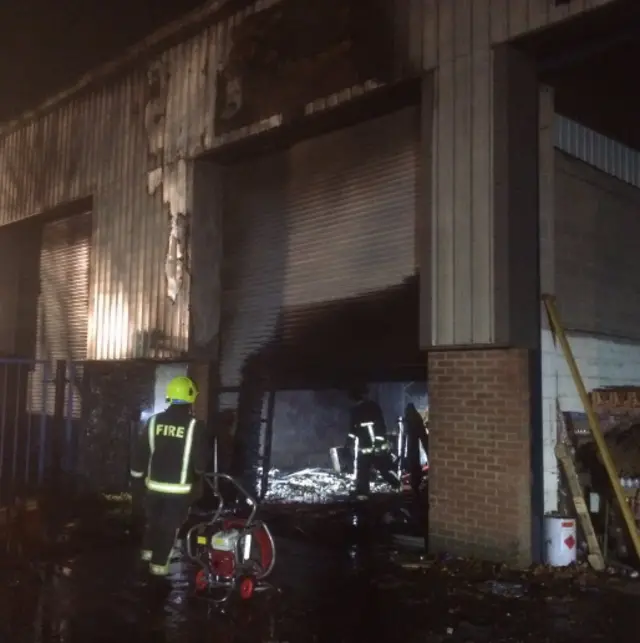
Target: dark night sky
x,y
47,44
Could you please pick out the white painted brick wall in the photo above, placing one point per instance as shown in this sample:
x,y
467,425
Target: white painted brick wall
x,y
597,284
602,362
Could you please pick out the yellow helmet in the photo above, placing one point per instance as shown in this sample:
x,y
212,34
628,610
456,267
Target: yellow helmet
x,y
181,390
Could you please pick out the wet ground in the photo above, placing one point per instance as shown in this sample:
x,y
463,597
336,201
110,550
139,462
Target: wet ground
x,y
333,584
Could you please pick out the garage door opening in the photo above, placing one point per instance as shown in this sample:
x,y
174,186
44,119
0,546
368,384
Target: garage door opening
x,y
312,458
319,294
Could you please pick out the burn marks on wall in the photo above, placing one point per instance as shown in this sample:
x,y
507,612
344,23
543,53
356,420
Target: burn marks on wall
x,y
172,180
170,177
155,111
289,53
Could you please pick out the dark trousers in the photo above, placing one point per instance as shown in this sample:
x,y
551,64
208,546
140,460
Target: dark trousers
x,y
413,462
165,514
380,462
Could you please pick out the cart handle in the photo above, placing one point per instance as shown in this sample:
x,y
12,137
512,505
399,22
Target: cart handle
x,y
212,480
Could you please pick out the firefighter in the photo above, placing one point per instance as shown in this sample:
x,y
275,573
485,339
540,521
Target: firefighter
x,y
417,436
370,446
170,455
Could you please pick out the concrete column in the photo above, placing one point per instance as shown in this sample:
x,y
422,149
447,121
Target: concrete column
x,y
480,265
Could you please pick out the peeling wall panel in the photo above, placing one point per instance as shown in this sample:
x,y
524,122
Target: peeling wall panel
x,y
132,316
98,145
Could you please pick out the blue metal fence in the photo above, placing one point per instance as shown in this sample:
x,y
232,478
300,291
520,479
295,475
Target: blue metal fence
x,y
26,417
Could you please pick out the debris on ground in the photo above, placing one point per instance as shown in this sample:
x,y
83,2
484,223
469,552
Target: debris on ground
x,y
355,590
315,486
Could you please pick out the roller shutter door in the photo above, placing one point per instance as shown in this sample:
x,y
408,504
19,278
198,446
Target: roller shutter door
x,y
328,221
9,281
63,306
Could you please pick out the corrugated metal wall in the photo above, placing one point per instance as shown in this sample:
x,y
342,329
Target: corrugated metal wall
x,y
125,145
596,231
452,26
606,154
99,146
458,40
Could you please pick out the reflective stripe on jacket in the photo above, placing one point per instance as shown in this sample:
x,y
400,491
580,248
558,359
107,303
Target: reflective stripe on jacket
x,y
170,451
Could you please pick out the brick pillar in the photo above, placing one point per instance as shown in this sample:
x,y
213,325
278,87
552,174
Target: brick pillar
x,y
479,448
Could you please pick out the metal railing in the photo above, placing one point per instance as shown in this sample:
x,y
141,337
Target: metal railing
x,y
25,420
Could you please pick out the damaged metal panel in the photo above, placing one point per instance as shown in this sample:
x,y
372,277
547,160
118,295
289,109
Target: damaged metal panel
x,y
281,60
131,314
317,238
128,144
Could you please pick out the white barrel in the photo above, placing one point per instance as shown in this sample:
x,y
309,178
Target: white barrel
x,y
560,541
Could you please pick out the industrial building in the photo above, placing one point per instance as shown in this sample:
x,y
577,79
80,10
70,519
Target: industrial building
x,y
287,195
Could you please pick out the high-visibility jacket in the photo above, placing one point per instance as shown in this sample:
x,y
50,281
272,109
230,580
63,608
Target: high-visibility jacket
x,y
170,451
368,429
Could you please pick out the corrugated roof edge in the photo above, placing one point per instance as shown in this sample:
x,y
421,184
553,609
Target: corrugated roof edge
x,y
170,30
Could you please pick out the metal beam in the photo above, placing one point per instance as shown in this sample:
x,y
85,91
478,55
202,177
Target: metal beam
x,y
589,49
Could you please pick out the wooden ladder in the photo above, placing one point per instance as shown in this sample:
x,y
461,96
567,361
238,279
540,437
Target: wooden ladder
x,y
595,557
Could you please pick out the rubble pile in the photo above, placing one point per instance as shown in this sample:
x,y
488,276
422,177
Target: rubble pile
x,y
315,486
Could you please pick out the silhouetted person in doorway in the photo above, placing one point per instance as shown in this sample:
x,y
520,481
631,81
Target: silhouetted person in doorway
x,y
371,449
416,436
